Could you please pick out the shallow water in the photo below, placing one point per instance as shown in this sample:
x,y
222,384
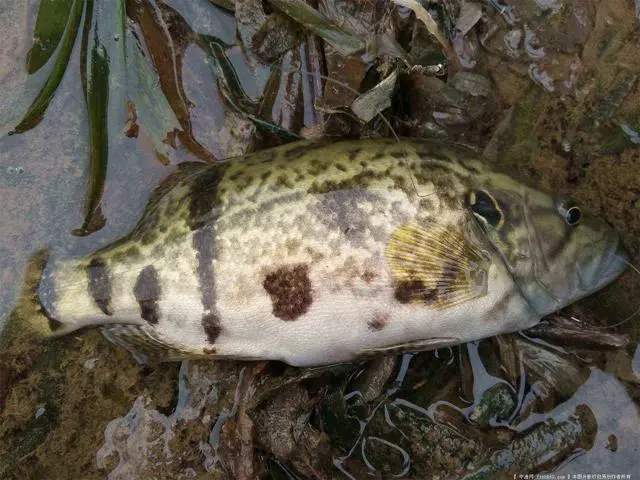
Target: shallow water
x,y
566,100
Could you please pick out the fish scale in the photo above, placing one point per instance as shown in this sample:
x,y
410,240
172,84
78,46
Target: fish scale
x,y
316,252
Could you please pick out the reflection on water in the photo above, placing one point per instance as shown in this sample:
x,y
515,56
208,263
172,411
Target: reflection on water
x,y
549,88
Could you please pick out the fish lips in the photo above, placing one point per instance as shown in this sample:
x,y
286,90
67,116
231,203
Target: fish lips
x,y
596,275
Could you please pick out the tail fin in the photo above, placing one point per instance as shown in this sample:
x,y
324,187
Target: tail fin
x,y
30,319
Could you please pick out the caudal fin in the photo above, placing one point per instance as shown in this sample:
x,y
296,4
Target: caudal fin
x,y
30,319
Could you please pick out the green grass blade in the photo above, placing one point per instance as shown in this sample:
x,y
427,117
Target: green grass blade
x,y
102,65
50,25
38,107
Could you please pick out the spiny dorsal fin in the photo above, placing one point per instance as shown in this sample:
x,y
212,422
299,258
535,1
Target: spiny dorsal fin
x,y
436,265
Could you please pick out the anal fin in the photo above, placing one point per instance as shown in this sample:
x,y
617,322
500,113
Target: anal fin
x,y
417,346
146,345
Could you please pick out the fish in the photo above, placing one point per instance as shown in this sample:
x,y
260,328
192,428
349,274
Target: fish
x,y
316,253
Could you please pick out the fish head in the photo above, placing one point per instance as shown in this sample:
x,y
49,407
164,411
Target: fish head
x,y
555,251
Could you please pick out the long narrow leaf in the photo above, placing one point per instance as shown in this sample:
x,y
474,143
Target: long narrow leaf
x,y
50,25
37,108
166,52
232,91
154,113
102,62
310,18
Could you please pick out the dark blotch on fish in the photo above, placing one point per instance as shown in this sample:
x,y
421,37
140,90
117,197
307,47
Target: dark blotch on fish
x,y
290,291
303,149
378,322
212,327
203,244
99,284
148,291
410,290
368,276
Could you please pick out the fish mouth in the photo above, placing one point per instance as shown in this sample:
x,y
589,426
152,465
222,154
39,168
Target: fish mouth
x,y
602,273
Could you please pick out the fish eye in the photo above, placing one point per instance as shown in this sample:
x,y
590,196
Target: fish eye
x,y
571,215
484,206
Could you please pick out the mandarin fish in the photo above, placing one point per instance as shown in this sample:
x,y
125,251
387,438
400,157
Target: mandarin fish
x,y
317,253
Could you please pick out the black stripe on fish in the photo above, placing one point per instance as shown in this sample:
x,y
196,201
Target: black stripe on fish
x,y
204,196
99,284
148,291
203,244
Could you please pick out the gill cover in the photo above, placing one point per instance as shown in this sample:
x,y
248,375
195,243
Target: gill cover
x,y
555,252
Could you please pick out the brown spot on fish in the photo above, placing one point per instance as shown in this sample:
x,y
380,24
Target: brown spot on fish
x,y
284,181
368,276
147,291
399,182
148,237
303,148
264,156
99,284
427,204
408,291
379,321
428,153
293,245
172,207
211,326
354,152
290,291
398,154
318,166
341,167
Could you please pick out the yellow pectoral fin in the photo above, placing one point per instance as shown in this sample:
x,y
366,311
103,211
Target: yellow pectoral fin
x,y
436,265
